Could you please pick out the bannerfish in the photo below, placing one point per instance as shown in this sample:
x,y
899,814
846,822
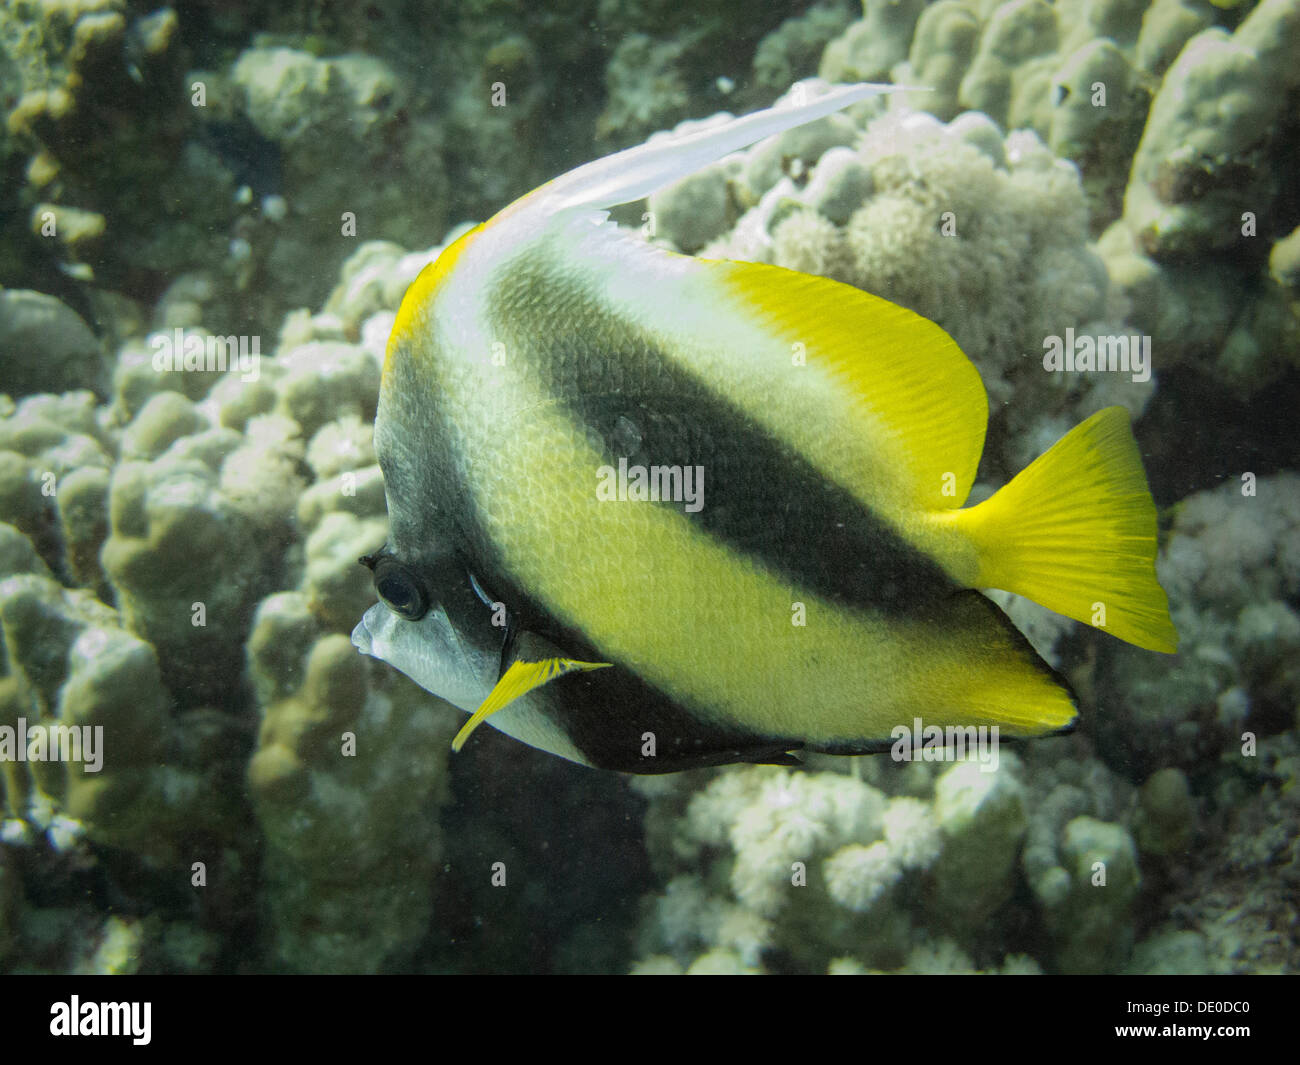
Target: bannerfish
x,y
650,512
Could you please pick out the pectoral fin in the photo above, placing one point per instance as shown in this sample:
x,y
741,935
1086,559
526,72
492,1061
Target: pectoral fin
x,y
537,663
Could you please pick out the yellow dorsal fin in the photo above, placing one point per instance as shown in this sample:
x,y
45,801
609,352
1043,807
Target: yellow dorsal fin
x,y
924,406
520,679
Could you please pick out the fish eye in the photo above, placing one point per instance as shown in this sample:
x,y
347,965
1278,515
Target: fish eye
x,y
398,586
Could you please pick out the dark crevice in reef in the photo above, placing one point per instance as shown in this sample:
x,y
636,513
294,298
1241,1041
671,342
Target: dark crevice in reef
x,y
572,841
1194,436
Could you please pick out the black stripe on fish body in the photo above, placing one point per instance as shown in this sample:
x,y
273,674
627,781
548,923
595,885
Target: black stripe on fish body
x,y
431,510
610,714
761,497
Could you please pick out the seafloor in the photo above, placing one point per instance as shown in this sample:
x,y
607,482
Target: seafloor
x,y
178,547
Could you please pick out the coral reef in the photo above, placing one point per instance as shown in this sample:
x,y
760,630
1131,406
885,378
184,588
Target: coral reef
x,y
96,89
1219,115
1207,201
315,109
178,538
1177,116
821,871
1232,571
188,511
236,123
352,838
47,347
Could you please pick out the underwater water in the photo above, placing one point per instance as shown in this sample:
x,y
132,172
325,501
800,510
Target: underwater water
x,y
211,215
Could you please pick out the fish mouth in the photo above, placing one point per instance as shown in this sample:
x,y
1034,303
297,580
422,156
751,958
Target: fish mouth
x,y
431,652
362,636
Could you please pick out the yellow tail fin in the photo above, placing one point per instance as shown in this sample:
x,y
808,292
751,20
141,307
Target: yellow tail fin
x,y
1076,531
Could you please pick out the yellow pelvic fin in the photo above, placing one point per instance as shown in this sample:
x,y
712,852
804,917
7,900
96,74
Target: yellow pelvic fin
x,y
925,407
520,679
1076,531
